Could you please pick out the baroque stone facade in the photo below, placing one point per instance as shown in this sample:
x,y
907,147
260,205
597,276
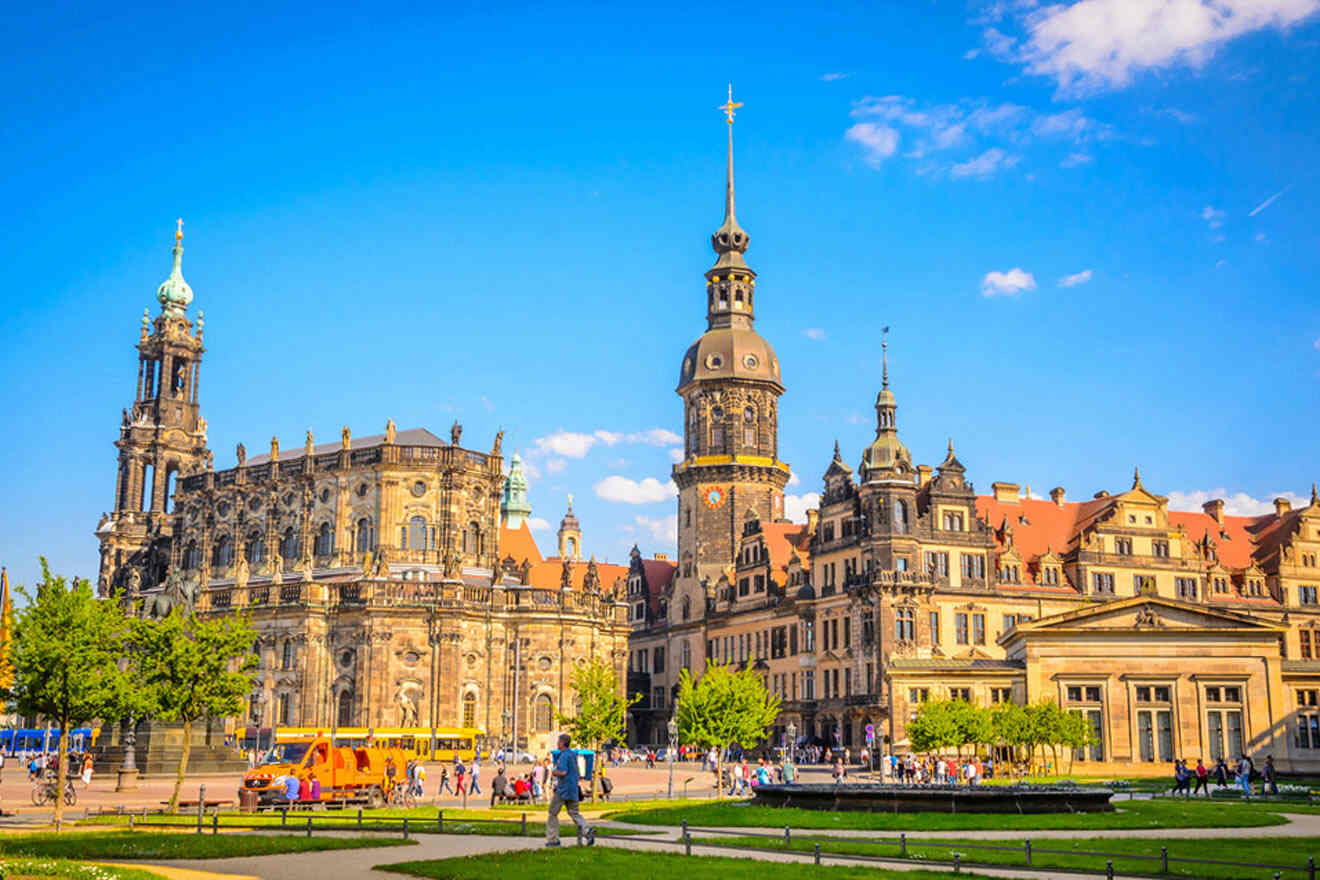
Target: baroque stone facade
x,y
1174,633
384,580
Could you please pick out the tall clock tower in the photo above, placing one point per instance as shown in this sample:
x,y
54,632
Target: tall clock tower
x,y
730,385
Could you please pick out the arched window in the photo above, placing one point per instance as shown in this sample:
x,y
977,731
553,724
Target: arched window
x,y
325,541
749,428
687,655
572,547
417,533
900,516
286,658
192,557
716,429
255,551
345,708
224,552
289,544
543,714
365,540
472,542
469,709
692,428
284,708
686,610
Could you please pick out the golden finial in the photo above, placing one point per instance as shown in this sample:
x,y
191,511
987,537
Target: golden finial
x,y
178,231
729,106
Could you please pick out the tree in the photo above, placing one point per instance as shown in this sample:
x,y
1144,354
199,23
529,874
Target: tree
x,y
972,723
602,713
193,668
66,656
1076,734
934,728
1008,724
723,707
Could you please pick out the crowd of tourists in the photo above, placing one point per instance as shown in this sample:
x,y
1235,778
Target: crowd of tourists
x,y
1188,781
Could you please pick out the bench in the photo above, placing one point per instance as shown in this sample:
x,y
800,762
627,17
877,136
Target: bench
x,y
208,804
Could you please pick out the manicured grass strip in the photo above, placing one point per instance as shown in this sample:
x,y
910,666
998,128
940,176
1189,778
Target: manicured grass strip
x,y
1275,851
300,818
114,846
607,863
68,870
1150,814
456,822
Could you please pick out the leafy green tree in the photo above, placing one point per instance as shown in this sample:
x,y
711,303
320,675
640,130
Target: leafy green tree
x,y
1008,724
972,724
1076,734
721,708
66,654
934,728
193,668
602,713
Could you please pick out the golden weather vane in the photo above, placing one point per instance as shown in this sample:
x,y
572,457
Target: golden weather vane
x,y
729,106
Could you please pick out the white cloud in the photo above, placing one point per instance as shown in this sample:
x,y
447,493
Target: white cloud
x,y
530,468
663,530
1265,204
1213,216
833,77
1317,343
984,165
555,465
648,491
795,480
676,455
796,506
570,444
1235,503
1009,283
815,334
536,524
486,402
878,141
1096,44
1219,264
1078,278
1260,236
1072,160
970,54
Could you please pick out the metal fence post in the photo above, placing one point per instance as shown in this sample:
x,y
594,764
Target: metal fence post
x,y
523,830
687,842
284,816
1164,860
902,845
309,826
201,807
957,866
1109,869
215,821
130,825
359,817
405,826
1310,867
788,839
1026,845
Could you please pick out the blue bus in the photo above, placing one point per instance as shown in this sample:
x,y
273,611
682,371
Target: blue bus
x,y
36,739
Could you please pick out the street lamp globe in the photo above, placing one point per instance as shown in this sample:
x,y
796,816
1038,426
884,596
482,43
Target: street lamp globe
x,y
672,727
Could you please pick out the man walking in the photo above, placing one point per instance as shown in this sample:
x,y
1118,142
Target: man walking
x,y
475,788
566,795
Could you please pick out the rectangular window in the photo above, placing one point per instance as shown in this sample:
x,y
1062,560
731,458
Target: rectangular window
x,y
1161,694
1001,695
1123,546
918,695
1306,595
870,678
1307,697
758,584
1233,721
1164,721
847,682
1215,727
1097,734
978,629
960,628
964,694
1102,582
657,697
1160,548
744,586
1186,587
934,627
809,685
1093,693
1010,621
1075,694
847,632
659,664
1145,736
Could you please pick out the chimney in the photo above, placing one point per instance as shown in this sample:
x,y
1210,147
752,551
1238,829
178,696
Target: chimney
x,y
923,475
1282,506
662,557
1056,495
813,517
1215,509
1006,493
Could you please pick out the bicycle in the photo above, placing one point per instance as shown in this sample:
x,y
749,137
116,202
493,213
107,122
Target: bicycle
x,y
402,796
43,792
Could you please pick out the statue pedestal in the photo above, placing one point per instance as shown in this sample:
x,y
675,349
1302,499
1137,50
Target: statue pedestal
x,y
128,780
159,748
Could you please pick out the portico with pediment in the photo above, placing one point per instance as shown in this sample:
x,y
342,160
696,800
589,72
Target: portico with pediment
x,y
1160,679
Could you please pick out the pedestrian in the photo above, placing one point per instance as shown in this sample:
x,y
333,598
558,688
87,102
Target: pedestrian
x,y
566,795
1267,777
1221,772
1244,775
459,772
444,781
537,780
1201,778
87,770
499,787
475,774
838,771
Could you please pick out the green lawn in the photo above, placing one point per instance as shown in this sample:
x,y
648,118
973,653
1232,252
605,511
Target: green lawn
x,y
114,846
1276,851
67,870
601,863
1130,814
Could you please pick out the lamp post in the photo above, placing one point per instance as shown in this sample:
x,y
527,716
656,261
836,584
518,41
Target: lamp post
x,y
791,730
672,727
506,717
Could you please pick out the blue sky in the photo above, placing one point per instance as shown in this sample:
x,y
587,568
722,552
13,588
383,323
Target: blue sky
x,y
1092,228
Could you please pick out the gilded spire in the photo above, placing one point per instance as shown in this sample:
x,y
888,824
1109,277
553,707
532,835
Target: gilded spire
x,y
884,357
174,293
1315,500
1136,478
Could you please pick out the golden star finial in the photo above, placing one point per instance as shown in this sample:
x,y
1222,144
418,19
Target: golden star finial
x,y
178,231
729,106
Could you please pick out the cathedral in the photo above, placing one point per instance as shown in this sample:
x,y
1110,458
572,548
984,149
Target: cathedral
x,y
1175,634
392,578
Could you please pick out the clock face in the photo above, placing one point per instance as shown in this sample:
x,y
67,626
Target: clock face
x,y
714,497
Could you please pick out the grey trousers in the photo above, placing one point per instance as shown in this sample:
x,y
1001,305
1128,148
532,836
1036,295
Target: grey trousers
x,y
552,817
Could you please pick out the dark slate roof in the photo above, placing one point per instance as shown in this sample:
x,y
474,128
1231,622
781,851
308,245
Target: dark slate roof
x,y
954,663
409,437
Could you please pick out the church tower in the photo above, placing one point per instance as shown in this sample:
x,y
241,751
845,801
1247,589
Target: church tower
x,y
162,437
570,535
513,506
730,386
889,484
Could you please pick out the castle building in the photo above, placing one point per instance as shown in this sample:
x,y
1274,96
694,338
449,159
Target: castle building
x,y
392,579
1176,634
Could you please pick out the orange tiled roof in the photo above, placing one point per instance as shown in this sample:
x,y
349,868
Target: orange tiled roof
x,y
547,574
519,544
1233,539
782,540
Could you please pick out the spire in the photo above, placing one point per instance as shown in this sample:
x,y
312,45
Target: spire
x,y
174,293
950,446
1315,500
884,357
730,240
514,506
1136,478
